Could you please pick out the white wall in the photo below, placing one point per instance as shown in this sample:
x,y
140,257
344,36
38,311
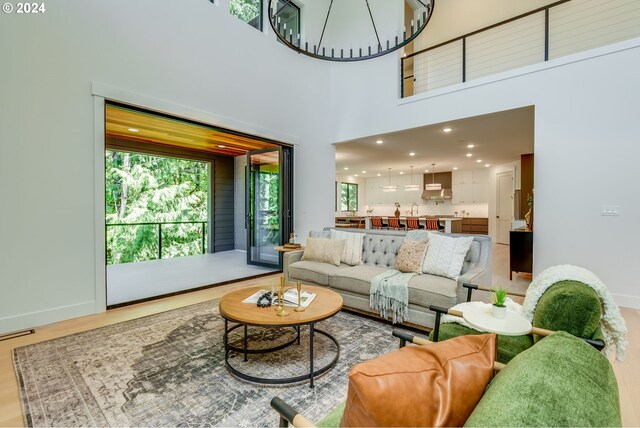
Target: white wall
x,y
188,54
586,134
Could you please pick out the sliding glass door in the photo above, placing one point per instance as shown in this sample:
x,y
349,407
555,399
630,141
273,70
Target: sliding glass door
x,y
268,204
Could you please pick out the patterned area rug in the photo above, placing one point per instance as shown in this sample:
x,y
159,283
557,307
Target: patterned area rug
x,y
168,370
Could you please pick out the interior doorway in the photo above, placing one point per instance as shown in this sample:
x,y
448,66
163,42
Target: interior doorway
x,y
504,206
172,210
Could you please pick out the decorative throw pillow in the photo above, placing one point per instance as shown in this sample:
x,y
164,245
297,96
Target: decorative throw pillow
x,y
445,255
352,254
421,386
411,255
323,250
325,234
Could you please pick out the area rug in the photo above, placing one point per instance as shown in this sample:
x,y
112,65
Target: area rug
x,y
168,370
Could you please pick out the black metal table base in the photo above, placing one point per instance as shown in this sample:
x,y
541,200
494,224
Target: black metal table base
x,y
245,351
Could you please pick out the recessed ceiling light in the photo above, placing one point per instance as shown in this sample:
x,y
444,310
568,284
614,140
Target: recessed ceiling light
x,y
221,146
470,146
455,168
447,130
412,154
469,155
426,170
487,165
478,160
364,172
379,175
356,175
379,142
346,168
401,172
134,130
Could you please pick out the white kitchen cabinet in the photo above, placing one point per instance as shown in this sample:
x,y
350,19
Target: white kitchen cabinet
x,y
470,187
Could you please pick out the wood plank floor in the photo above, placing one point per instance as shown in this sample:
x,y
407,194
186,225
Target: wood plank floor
x,y
627,373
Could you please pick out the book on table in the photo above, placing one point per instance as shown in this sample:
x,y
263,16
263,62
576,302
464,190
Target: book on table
x,y
290,297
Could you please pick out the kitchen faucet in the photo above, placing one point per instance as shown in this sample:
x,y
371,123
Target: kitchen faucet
x,y
412,208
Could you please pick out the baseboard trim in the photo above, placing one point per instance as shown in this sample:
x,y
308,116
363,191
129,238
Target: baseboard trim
x,y
38,318
626,301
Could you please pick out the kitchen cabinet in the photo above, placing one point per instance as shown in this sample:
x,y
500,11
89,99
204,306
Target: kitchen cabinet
x,y
475,225
470,187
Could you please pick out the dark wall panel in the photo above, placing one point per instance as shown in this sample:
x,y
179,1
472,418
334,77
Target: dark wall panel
x,y
222,204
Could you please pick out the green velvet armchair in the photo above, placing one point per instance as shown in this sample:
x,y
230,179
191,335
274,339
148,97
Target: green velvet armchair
x,y
568,306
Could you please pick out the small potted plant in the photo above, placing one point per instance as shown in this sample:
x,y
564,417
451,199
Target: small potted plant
x,y
499,309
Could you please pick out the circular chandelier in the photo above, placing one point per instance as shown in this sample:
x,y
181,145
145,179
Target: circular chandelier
x,y
348,30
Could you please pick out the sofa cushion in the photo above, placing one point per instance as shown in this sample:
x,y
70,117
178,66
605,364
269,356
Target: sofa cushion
x,y
352,253
411,255
421,386
561,381
508,346
381,250
324,250
424,290
356,279
472,258
315,272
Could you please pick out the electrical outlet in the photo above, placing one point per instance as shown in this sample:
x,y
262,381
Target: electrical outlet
x,y
610,210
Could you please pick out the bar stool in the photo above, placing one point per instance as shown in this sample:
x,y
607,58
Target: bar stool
x,y
394,223
376,223
414,223
433,224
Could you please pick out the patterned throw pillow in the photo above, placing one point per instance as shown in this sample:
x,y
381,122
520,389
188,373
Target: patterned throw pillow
x,y
411,255
323,250
325,234
352,254
445,255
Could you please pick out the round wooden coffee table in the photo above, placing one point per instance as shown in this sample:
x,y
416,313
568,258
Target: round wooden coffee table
x,y
326,304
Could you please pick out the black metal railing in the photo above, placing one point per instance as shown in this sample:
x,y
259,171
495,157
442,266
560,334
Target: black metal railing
x,y
159,225
464,38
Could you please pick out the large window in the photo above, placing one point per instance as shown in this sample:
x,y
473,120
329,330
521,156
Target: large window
x,y
349,197
250,11
288,20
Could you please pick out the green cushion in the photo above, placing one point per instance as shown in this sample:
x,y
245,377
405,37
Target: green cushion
x,y
332,420
569,306
508,346
561,381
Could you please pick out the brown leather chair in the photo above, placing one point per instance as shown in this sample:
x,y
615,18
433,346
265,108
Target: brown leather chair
x,y
414,223
394,223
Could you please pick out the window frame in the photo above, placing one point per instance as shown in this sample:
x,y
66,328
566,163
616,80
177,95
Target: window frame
x,y
299,23
260,16
352,193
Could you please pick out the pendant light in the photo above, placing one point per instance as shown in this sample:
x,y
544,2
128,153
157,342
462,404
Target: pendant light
x,y
411,187
389,188
433,185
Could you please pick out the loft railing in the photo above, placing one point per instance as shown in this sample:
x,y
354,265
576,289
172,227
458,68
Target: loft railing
x,y
159,225
549,32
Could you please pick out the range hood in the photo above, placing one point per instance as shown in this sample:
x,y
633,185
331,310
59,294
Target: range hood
x,y
437,195
442,178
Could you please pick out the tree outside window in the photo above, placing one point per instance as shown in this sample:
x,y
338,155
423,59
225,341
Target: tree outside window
x,y
250,11
349,197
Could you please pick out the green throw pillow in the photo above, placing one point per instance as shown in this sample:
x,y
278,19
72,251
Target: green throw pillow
x,y
560,381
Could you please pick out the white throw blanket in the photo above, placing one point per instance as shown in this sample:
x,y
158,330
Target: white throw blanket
x,y
613,326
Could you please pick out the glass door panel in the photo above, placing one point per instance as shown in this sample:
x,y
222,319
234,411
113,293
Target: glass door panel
x,y
264,206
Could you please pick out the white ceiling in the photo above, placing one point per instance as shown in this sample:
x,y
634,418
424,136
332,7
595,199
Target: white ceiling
x,y
498,138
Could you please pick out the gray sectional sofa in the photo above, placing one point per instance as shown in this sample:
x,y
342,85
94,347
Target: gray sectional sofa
x,y
379,254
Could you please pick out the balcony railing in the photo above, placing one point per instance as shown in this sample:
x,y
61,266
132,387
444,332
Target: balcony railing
x,y
556,30
158,226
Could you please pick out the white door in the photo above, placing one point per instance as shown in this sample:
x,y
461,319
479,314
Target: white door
x,y
504,206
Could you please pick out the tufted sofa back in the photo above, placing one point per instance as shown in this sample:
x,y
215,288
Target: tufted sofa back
x,y
380,248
